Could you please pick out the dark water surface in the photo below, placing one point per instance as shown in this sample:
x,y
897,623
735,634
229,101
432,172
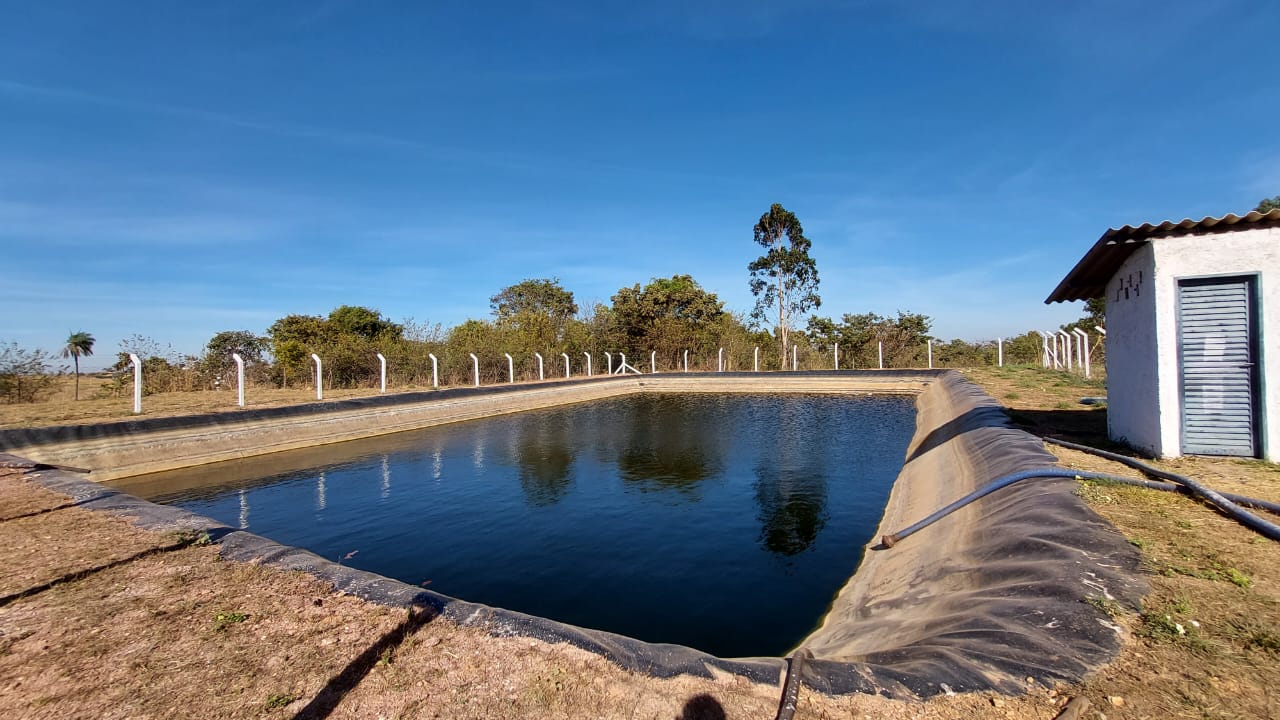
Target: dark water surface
x,y
722,522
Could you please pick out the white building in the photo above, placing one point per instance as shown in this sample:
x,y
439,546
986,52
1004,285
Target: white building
x,y
1190,308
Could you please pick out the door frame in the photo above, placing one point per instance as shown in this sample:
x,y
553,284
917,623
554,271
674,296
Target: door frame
x,y
1253,282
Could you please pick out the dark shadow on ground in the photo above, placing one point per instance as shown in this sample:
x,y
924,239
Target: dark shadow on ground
x,y
702,707
325,701
1085,426
183,542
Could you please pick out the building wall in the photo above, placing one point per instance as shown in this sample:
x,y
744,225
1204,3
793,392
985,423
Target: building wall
x,y
1133,378
1247,252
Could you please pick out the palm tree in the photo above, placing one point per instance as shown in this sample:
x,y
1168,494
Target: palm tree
x,y
78,343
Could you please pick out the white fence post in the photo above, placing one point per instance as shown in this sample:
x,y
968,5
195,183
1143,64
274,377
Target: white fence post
x,y
608,358
435,371
720,360
1084,351
511,368
239,378
1100,329
795,362
880,352
757,359
319,376
1066,346
475,365
137,383
566,364
539,356
588,363
999,352
383,362
836,353
1050,354
653,362
686,361
930,344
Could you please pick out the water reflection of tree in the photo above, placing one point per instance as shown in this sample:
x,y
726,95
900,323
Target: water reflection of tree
x,y
667,442
791,479
793,508
544,455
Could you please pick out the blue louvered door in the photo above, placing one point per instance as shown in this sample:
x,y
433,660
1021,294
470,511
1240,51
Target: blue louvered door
x,y
1217,354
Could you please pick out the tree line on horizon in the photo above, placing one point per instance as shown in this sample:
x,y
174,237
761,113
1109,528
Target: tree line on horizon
x,y
665,317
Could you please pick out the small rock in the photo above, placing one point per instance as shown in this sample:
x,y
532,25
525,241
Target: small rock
x,y
997,702
431,642
1031,680
1115,700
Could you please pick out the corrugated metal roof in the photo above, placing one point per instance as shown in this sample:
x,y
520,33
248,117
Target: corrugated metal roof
x,y
1088,279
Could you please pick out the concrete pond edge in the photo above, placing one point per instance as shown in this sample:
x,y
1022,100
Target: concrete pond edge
x,y
997,593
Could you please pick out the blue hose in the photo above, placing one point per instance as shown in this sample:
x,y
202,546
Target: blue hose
x,y
894,538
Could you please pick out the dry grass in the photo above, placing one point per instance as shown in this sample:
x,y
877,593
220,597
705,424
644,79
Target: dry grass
x,y
96,405
181,634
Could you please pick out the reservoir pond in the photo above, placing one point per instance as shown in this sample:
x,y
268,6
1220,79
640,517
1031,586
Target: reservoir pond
x,y
726,523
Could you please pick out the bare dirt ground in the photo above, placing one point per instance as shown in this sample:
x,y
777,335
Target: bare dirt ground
x,y
101,619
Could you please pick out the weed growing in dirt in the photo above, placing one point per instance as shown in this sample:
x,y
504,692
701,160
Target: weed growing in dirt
x,y
223,620
1216,572
275,701
1092,491
1167,623
1235,577
198,538
1108,606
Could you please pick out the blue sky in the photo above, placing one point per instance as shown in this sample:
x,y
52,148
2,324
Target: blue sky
x,y
177,169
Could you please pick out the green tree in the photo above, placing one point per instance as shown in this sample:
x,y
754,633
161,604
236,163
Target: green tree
x,y
538,297
785,276
669,315
1268,204
1023,349
533,316
78,344
217,352
861,337
308,330
290,355
363,322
